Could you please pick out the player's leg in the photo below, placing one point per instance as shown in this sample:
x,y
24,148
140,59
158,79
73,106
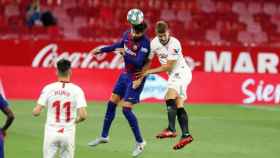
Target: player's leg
x,y
68,144
50,147
170,99
182,117
116,97
132,97
110,114
133,123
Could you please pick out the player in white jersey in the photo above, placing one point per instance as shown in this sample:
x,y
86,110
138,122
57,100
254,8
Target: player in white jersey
x,y
169,51
66,104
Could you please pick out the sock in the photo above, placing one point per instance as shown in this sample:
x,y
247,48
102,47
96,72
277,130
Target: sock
x,y
171,112
183,121
109,117
132,120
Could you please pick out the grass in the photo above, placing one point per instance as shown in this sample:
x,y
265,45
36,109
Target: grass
x,y
219,131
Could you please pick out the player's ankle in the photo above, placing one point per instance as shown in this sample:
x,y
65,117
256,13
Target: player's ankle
x,y
185,135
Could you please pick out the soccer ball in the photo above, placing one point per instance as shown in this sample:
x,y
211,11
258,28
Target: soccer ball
x,y
135,16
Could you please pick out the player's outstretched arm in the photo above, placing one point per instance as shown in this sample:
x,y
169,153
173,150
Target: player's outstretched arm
x,y
105,49
82,115
37,110
163,68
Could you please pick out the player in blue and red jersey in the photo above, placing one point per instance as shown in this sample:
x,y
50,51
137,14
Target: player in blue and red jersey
x,y
135,48
10,118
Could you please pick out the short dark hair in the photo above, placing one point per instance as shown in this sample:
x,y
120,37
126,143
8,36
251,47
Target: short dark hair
x,y
140,27
63,67
161,27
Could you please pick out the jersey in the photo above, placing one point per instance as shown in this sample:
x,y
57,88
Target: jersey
x,y
62,100
171,51
136,52
180,75
135,57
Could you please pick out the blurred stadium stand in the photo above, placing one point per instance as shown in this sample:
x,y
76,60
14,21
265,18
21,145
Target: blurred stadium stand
x,y
216,22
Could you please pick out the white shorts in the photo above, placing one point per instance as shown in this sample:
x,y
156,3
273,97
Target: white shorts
x,y
63,140
180,81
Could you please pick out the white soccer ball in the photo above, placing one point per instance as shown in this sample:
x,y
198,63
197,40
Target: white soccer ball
x,y
135,16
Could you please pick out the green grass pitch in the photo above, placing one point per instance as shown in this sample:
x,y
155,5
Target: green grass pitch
x,y
219,131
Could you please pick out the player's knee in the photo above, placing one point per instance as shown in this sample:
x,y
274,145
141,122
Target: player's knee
x,y
115,99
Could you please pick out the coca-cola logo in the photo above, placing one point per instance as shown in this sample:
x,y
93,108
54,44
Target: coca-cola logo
x,y
259,91
49,54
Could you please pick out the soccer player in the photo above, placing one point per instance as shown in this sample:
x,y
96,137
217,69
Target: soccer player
x,y
169,51
9,120
135,48
66,105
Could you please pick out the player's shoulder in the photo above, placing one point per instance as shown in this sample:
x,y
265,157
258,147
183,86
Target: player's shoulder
x,y
74,87
50,86
155,43
174,40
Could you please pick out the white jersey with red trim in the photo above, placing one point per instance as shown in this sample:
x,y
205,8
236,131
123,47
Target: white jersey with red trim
x,y
171,51
180,75
62,100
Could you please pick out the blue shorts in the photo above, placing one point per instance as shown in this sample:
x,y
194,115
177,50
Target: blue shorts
x,y
123,88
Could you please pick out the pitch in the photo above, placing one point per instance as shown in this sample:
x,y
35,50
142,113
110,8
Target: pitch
x,y
219,131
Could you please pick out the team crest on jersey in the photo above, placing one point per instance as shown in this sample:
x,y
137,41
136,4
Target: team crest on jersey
x,y
176,51
145,50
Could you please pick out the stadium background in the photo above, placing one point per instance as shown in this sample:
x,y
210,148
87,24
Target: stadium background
x,y
232,46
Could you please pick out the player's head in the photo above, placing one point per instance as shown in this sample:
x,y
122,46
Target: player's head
x,y
63,68
162,32
138,31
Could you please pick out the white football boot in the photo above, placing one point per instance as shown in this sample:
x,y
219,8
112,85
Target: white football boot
x,y
139,148
100,140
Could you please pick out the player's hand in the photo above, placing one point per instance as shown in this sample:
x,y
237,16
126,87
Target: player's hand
x,y
137,83
95,51
121,51
142,74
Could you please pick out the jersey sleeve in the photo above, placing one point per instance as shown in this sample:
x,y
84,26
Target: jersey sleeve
x,y
174,51
119,44
43,98
80,98
3,102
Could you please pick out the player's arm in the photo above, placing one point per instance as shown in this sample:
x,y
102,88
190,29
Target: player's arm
x,y
41,103
140,77
82,115
9,114
81,106
37,110
10,117
110,48
163,68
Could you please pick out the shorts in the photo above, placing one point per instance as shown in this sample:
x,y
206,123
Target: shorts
x,y
180,81
123,88
62,140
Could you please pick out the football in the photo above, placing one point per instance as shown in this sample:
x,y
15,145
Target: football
x,y
135,16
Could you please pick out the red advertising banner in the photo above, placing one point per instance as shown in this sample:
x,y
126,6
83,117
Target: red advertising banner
x,y
26,83
241,60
